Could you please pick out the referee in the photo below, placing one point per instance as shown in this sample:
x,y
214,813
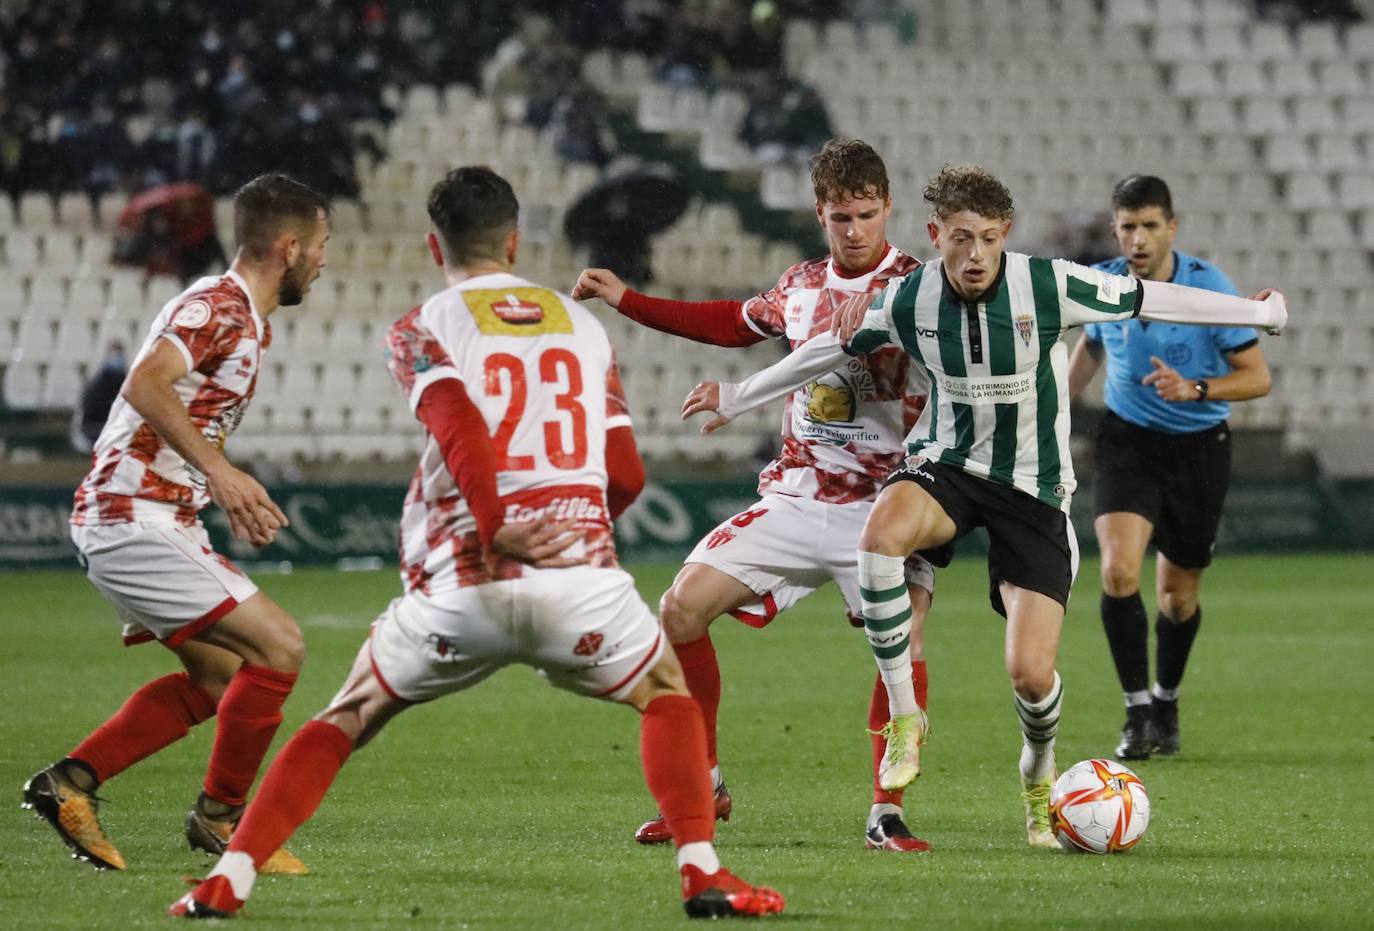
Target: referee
x,y
1164,459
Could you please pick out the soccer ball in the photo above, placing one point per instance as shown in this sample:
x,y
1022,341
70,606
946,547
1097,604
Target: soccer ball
x,y
1099,806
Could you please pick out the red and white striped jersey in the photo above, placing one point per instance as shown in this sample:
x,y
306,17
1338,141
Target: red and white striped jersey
x,y
135,475
540,369
843,433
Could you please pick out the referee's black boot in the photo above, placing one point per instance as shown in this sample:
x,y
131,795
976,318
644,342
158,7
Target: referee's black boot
x,y
1136,736
1164,726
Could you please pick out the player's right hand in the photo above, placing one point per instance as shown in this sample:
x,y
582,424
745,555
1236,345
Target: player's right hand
x,y
253,515
599,282
705,397
538,544
849,315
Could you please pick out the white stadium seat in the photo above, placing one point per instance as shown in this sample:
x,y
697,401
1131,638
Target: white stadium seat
x,y
23,384
1355,191
1308,191
1195,79
1223,42
1283,154
1318,40
1271,42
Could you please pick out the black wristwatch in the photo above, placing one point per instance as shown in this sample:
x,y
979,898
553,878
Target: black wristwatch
x,y
1201,387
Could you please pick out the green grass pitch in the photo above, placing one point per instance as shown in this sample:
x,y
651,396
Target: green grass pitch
x,y
513,805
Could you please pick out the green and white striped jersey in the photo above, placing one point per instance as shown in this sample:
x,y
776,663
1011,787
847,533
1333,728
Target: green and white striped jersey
x,y
999,373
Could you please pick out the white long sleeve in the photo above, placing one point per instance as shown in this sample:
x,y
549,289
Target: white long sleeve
x,y
810,360
1172,303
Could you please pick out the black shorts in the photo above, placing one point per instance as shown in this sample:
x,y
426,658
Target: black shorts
x,y
1031,544
1177,482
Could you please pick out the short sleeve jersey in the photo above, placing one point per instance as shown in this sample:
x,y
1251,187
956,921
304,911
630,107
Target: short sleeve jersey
x,y
1195,352
135,475
999,394
842,433
540,369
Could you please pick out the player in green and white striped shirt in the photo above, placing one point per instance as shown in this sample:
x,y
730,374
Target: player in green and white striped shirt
x,y
992,446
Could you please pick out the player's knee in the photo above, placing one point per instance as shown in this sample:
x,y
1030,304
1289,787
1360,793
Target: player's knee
x,y
286,650
883,541
1119,579
683,620
1029,681
1177,606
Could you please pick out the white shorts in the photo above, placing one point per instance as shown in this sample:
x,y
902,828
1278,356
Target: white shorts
x,y
164,579
784,548
587,630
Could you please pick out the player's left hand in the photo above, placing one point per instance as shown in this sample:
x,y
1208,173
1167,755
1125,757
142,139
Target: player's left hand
x,y
705,397
1169,384
848,316
538,544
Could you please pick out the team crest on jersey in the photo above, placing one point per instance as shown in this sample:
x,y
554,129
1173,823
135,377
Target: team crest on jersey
x,y
588,645
1025,325
722,535
1178,354
192,316
442,648
517,311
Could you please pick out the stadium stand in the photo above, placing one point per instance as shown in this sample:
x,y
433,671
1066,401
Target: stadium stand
x,y
1264,129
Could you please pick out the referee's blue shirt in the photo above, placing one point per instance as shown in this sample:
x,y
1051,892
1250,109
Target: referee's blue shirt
x,y
1195,352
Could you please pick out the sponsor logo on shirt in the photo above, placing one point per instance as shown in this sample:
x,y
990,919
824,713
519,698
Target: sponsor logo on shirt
x,y
572,508
517,311
991,389
514,310
829,403
832,404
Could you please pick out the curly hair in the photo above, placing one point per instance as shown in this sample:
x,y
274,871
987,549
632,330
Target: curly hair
x,y
846,168
956,188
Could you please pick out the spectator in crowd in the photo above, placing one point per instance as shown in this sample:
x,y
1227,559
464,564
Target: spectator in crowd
x,y
580,129
222,95
1294,11
786,120
169,230
98,397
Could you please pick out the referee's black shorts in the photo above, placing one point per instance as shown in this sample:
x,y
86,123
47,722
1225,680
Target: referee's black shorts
x,y
1177,482
1030,543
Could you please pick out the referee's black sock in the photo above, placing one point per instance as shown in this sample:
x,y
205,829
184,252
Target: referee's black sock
x,y
1128,635
1173,643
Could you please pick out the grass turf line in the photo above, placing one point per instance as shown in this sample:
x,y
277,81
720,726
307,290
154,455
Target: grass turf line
x,y
513,805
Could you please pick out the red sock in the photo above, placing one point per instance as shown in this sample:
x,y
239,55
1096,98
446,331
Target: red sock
x,y
878,716
702,672
293,788
672,745
249,714
158,714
